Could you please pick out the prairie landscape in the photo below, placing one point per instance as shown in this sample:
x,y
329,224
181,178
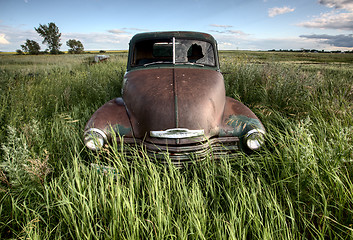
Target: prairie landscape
x,y
299,186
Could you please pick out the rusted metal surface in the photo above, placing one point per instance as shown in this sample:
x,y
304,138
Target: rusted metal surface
x,y
156,104
112,116
238,119
177,108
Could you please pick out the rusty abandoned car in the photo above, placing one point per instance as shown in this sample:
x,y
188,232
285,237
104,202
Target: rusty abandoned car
x,y
173,103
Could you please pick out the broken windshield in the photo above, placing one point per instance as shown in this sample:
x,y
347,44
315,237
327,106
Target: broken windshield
x,y
178,51
193,51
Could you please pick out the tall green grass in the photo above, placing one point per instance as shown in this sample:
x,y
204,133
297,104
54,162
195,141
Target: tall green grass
x,y
299,186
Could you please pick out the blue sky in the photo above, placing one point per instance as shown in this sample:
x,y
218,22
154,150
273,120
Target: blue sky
x,y
236,24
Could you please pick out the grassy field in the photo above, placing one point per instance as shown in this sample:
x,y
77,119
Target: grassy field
x,y
299,186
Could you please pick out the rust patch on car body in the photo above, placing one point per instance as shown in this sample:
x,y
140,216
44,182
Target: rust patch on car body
x,y
154,102
173,102
111,116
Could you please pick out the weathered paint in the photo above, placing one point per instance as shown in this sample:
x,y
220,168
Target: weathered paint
x,y
171,96
240,125
121,130
112,115
161,99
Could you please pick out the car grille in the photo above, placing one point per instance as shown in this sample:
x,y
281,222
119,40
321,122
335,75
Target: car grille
x,y
180,155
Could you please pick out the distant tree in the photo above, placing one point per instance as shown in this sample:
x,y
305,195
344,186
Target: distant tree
x,y
51,36
19,52
75,46
30,47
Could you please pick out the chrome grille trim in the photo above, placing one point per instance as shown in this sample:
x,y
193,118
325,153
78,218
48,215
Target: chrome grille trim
x,y
176,133
180,155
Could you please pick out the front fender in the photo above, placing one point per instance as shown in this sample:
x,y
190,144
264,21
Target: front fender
x,y
111,118
238,120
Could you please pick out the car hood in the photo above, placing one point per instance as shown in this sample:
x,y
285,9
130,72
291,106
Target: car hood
x,y
167,98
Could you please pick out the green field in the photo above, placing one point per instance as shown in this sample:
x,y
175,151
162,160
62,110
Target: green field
x,y
299,186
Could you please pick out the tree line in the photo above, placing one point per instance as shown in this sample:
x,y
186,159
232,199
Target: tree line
x,y
51,36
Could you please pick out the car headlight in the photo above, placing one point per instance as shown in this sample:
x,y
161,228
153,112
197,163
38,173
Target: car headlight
x,y
254,139
94,138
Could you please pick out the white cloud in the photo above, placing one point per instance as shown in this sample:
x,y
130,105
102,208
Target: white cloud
x,y
3,39
331,20
221,26
272,12
99,41
15,37
127,30
225,44
229,42
226,30
340,19
238,33
117,31
91,41
136,29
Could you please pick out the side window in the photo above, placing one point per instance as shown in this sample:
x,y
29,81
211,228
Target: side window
x,y
152,51
142,52
163,50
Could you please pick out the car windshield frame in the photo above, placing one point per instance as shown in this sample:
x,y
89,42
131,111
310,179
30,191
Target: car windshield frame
x,y
176,51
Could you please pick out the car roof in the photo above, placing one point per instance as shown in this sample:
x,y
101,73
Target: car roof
x,y
178,34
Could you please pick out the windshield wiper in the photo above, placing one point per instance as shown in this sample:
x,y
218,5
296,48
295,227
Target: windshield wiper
x,y
181,63
152,63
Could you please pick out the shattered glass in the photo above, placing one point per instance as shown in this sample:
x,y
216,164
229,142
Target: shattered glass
x,y
187,51
184,49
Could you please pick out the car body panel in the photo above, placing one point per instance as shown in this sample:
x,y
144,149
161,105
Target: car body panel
x,y
173,106
166,100
238,119
112,116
